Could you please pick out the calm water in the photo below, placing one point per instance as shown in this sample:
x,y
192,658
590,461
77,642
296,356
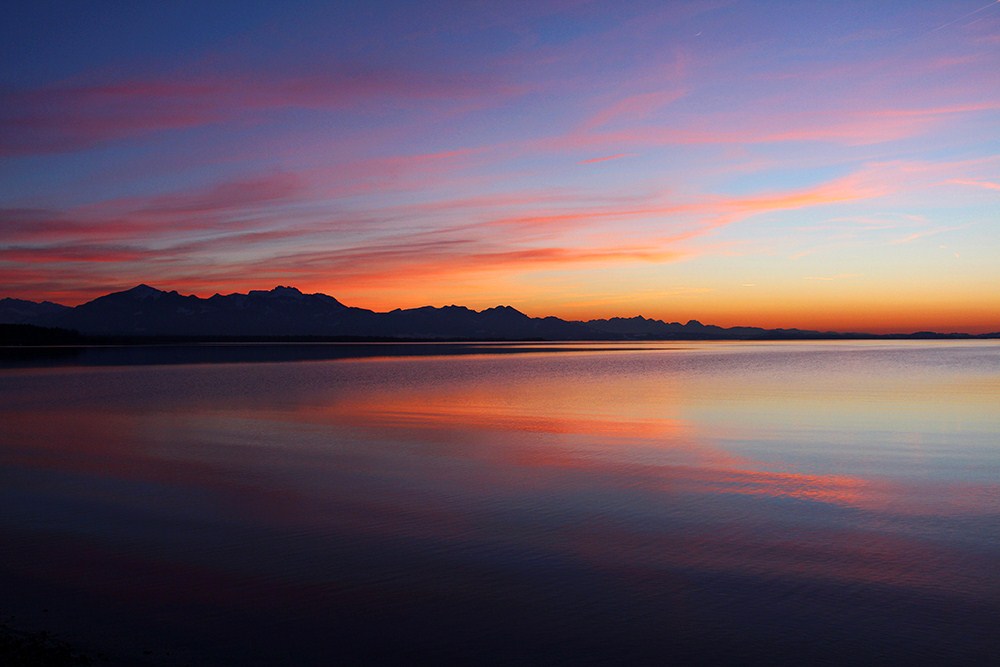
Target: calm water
x,y
704,502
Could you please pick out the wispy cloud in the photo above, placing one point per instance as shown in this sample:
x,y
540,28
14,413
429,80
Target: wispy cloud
x,y
76,115
104,254
606,158
631,109
910,238
261,224
989,185
965,16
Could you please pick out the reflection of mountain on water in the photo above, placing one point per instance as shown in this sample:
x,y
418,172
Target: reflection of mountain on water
x,y
285,312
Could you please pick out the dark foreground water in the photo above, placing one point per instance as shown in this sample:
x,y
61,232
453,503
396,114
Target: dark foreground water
x,y
717,503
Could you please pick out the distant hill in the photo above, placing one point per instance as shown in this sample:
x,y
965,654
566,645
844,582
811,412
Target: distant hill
x,y
287,313
19,311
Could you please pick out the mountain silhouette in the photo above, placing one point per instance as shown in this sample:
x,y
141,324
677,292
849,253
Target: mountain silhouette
x,y
286,312
19,311
280,312
147,311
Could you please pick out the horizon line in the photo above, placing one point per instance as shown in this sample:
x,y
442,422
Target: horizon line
x,y
845,332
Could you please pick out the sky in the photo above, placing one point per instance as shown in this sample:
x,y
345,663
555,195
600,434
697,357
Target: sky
x,y
823,165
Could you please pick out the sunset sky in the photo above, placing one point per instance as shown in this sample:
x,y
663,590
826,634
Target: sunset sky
x,y
830,165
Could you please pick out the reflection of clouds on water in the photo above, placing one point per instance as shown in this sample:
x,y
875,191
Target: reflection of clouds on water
x,y
492,490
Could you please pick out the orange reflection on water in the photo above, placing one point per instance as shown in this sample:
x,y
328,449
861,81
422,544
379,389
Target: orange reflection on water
x,y
834,489
666,454
583,436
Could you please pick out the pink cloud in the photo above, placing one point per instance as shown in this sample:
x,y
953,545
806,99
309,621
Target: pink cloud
x,y
940,110
632,108
234,195
75,253
42,226
231,235
73,116
246,202
435,257
989,185
850,188
606,158
500,245
848,129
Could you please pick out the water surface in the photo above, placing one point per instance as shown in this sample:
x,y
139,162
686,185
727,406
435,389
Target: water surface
x,y
708,502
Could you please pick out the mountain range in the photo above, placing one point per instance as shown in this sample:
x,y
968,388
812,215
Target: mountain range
x,y
145,312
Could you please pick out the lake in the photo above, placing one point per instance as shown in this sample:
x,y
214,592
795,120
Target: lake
x,y
714,503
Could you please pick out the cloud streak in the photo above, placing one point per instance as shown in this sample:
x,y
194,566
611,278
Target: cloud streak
x,y
249,227
988,185
77,115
